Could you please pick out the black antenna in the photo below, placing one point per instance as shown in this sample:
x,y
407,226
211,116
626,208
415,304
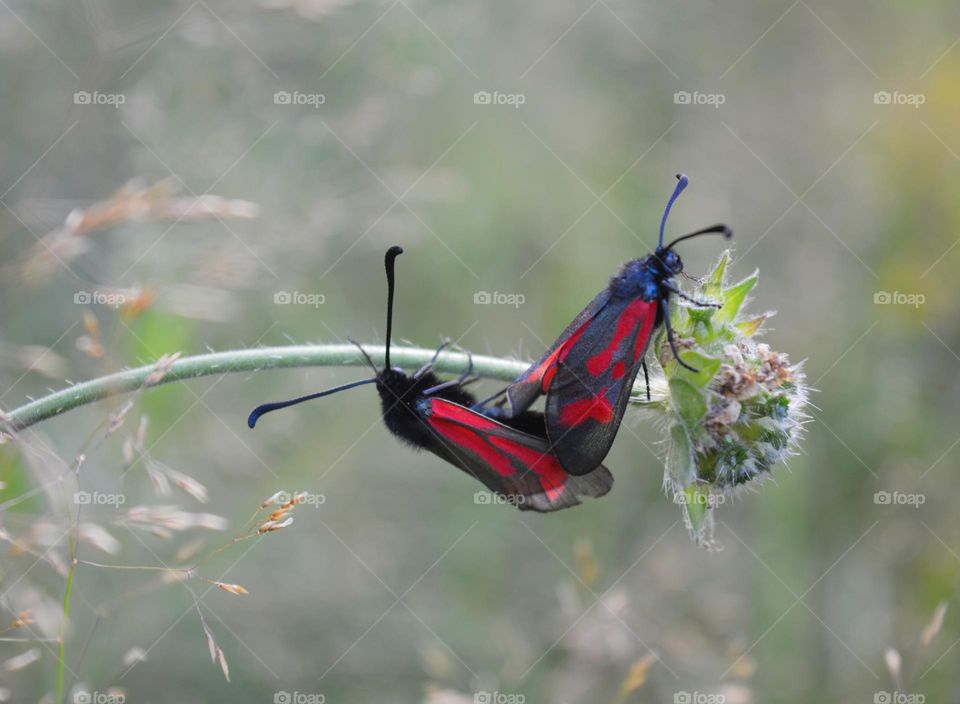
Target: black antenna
x,y
713,230
388,260
267,407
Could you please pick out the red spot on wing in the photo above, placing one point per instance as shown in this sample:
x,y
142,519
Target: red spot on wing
x,y
596,408
543,370
547,369
548,470
474,442
619,369
636,314
444,410
572,340
643,337
449,420
548,377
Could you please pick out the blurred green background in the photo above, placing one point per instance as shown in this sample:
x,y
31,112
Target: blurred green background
x,y
834,193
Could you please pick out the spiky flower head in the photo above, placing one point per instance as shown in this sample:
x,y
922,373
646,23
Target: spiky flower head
x,y
735,418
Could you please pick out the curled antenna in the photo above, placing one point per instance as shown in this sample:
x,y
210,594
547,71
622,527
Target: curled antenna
x,y
388,263
682,182
268,407
712,230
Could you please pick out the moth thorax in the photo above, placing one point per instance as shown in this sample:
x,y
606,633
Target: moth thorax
x,y
638,278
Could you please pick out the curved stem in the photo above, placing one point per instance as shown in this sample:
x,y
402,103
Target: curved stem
x,y
214,363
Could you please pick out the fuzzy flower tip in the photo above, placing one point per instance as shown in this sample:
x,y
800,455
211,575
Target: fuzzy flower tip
x,y
737,416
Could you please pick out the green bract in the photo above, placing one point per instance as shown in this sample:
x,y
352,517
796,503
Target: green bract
x,y
738,415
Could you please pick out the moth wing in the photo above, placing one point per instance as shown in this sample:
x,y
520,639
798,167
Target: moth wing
x,y
590,390
509,462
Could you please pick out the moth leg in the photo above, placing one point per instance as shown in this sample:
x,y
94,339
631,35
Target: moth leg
x,y
703,304
440,387
646,377
462,380
429,365
673,345
465,377
480,405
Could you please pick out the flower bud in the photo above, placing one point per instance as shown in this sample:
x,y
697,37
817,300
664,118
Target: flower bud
x,y
738,415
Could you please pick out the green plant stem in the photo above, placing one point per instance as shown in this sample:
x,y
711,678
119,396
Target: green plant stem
x,y
62,649
252,360
61,654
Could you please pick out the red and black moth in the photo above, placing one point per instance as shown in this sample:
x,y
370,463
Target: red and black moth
x,y
510,456
588,373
